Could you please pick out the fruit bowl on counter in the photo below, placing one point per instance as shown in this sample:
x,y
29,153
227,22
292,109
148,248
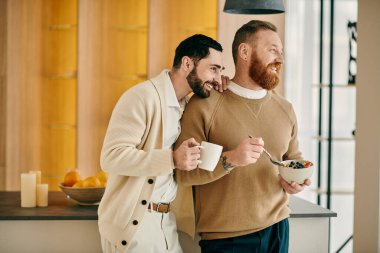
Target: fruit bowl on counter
x,y
86,192
84,196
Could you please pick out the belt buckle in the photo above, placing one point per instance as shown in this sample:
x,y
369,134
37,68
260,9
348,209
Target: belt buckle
x,y
158,206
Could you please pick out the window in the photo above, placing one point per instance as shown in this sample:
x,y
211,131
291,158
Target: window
x,y
303,84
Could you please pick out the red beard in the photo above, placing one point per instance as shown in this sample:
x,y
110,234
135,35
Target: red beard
x,y
262,74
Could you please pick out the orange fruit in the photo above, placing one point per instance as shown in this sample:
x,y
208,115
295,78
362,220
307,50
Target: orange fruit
x,y
71,178
103,184
78,184
91,182
102,176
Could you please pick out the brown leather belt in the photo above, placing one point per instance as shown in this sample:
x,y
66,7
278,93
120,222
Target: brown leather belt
x,y
159,207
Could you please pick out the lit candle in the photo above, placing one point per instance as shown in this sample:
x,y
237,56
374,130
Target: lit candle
x,y
28,190
42,195
38,175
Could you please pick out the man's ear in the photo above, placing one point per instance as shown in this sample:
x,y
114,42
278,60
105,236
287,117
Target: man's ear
x,y
244,50
187,64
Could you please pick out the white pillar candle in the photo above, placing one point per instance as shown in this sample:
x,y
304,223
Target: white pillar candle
x,y
28,190
38,175
42,195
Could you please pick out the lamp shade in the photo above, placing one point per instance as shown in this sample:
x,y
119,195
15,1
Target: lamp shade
x,y
254,6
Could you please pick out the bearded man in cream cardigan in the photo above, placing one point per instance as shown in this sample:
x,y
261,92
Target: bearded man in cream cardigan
x,y
136,211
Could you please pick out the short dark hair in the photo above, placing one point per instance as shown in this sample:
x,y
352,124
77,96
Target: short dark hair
x,y
247,31
196,47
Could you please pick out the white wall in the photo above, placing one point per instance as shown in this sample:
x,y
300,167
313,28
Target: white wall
x,y
367,173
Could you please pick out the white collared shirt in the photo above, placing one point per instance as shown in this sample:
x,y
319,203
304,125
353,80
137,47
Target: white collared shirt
x,y
165,189
246,93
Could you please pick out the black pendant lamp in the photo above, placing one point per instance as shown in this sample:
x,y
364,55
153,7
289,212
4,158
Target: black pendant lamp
x,y
254,6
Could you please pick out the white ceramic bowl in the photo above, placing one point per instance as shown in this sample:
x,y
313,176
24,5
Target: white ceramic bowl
x,y
298,175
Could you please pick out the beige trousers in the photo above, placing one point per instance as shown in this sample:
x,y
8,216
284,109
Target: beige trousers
x,y
157,233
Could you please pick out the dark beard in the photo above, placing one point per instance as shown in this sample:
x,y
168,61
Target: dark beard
x,y
261,74
196,84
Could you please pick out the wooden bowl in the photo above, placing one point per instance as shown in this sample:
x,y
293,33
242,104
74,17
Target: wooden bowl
x,y
85,195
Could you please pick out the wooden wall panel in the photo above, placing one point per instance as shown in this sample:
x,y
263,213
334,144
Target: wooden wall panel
x,y
3,38
23,118
113,38
41,89
59,89
171,21
112,58
91,77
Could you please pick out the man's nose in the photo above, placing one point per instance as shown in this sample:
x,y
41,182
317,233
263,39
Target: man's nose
x,y
218,77
280,58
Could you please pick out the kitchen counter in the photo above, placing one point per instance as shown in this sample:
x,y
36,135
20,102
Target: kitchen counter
x,y
60,208
42,229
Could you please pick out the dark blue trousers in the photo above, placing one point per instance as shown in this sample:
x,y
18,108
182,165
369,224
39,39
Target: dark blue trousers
x,y
273,239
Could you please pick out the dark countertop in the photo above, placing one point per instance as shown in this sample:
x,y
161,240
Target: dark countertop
x,y
61,208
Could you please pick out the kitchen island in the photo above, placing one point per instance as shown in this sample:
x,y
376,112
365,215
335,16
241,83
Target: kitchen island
x,y
64,226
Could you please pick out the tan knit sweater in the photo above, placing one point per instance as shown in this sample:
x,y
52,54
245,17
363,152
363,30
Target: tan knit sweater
x,y
250,198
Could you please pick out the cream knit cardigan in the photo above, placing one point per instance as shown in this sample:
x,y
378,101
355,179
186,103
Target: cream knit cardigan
x,y
132,154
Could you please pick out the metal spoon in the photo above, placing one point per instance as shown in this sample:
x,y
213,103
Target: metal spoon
x,y
270,156
271,159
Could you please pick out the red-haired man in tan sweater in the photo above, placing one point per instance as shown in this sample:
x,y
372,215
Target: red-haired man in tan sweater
x,y
242,206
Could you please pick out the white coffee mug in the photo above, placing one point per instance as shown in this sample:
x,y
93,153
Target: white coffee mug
x,y
210,154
